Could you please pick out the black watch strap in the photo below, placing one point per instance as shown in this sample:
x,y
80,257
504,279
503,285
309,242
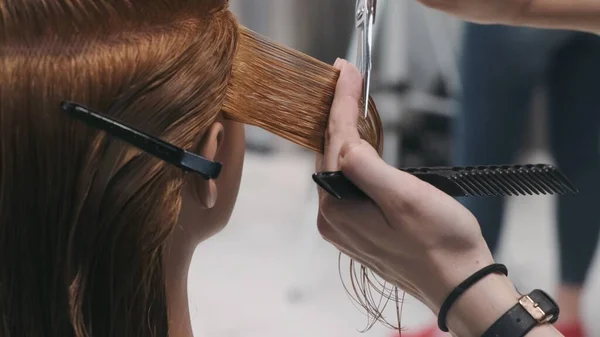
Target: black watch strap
x,y
533,309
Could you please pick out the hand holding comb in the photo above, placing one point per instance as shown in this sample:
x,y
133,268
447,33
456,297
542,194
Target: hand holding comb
x,y
506,180
477,181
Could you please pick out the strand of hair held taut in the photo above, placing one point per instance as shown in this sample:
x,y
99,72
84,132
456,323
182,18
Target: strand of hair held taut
x,y
287,93
290,94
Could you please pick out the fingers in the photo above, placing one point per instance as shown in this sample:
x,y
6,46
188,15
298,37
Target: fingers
x,y
343,119
361,163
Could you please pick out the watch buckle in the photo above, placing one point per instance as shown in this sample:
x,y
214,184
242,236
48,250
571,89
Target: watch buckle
x,y
534,310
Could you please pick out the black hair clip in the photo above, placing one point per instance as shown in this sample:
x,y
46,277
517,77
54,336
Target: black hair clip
x,y
170,153
507,180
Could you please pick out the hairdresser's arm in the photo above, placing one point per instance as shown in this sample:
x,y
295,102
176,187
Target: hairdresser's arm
x,y
409,232
478,308
581,15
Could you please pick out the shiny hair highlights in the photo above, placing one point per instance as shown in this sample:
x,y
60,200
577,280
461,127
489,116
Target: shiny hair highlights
x,y
287,93
84,218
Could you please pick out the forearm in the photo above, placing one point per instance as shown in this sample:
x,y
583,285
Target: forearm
x,y
581,15
478,308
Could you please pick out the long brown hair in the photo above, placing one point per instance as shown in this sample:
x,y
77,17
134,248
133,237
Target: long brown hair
x,y
287,93
83,218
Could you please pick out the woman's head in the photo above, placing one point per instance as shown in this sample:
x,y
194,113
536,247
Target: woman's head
x,y
84,218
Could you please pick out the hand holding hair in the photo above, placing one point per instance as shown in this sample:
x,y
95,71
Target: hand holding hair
x,y
410,233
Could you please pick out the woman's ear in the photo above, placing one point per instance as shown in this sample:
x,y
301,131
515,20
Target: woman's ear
x,y
206,190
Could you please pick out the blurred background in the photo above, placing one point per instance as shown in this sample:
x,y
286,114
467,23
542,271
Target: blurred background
x,y
270,274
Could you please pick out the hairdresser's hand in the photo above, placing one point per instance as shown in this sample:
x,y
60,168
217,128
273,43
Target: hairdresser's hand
x,y
483,11
411,234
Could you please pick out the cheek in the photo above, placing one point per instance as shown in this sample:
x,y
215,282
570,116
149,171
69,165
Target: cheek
x,y
232,157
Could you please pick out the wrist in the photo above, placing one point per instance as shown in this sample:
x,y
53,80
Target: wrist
x,y
473,312
450,271
481,305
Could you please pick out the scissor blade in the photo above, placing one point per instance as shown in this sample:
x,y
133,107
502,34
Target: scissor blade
x,y
367,59
365,19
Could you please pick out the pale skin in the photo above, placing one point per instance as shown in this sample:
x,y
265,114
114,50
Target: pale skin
x,y
582,15
426,242
206,209
410,233
419,215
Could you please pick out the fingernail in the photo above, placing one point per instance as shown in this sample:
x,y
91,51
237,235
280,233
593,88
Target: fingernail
x,y
338,64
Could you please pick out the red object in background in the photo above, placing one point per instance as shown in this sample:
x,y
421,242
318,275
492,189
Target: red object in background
x,y
568,330
571,330
432,331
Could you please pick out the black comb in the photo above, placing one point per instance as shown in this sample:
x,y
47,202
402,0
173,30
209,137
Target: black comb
x,y
478,181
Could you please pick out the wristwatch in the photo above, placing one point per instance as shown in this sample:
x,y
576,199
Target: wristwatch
x,y
533,309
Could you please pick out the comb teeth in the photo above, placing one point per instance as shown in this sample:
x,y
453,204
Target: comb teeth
x,y
505,180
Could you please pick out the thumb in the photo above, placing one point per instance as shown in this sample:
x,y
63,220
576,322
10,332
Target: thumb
x,y
383,183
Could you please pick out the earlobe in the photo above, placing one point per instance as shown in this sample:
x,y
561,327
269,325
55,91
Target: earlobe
x,y
206,190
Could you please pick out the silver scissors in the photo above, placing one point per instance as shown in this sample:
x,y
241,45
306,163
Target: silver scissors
x,y
365,21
